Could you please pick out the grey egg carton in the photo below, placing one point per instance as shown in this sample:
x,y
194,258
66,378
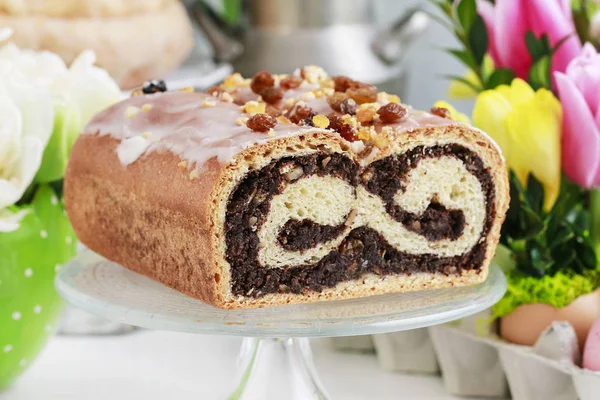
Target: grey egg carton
x,y
479,364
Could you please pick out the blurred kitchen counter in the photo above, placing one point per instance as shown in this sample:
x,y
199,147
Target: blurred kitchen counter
x,y
163,365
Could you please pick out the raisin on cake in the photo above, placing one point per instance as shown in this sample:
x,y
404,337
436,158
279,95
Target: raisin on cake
x,y
285,189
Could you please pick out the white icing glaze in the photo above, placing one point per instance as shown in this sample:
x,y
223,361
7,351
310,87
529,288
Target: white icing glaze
x,y
179,122
186,124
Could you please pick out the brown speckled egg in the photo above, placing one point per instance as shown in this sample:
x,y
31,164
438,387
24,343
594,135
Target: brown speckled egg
x,y
525,324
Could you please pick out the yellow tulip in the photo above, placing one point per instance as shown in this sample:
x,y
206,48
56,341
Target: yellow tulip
x,y
457,116
460,90
527,127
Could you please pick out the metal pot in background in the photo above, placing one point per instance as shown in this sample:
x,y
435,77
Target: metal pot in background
x,y
339,35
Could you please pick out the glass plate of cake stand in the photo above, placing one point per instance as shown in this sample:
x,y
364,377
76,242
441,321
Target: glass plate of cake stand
x,y
275,360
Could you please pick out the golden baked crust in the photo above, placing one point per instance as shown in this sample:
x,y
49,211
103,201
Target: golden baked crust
x,y
130,48
175,234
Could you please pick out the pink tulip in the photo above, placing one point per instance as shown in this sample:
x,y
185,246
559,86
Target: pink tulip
x,y
579,90
508,21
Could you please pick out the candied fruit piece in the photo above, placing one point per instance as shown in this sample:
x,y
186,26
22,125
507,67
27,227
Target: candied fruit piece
x,y
272,95
391,112
290,82
363,94
320,121
233,81
154,86
441,112
301,114
261,81
261,122
341,83
254,107
366,112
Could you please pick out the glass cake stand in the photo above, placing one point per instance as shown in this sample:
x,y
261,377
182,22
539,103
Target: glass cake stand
x,y
275,360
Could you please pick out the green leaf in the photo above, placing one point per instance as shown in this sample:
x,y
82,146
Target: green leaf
x,y
538,48
531,223
463,80
562,259
467,12
539,74
560,236
501,76
535,194
463,56
478,39
67,124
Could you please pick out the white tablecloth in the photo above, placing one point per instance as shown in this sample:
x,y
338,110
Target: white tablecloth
x,y
175,366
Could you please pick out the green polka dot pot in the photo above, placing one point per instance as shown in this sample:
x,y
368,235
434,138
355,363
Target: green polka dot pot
x,y
29,260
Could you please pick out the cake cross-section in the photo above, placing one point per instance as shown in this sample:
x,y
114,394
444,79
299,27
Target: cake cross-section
x,y
284,189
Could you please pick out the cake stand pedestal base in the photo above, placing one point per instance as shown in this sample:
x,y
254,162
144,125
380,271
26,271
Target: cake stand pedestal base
x,y
275,369
275,360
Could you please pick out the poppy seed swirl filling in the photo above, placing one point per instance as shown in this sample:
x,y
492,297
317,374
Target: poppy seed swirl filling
x,y
306,223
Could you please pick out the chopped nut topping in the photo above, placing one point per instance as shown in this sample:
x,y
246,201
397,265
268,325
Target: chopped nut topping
x,y
226,97
325,161
233,81
335,101
348,106
327,83
350,120
313,73
387,130
366,112
252,220
261,122
328,91
208,103
194,174
182,164
283,119
254,107
146,107
366,132
289,102
137,92
391,112
131,112
271,132
320,121
241,121
188,89
441,112
384,98
308,96
147,135
215,90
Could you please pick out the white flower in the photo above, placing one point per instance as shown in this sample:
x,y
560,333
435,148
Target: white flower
x,y
31,84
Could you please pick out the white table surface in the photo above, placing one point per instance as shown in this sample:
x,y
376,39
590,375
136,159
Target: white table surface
x,y
176,366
